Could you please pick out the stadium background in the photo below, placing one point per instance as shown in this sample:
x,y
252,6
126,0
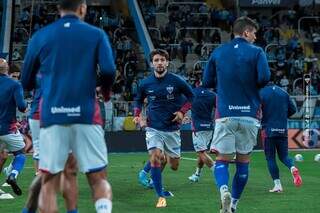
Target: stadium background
x,y
189,31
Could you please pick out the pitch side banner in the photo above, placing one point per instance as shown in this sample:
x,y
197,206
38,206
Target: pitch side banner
x,y
267,3
304,139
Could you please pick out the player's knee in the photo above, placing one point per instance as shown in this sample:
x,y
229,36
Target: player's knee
x,y
174,165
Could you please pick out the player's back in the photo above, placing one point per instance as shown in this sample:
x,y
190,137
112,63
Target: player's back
x,y
69,51
241,68
202,108
276,108
8,103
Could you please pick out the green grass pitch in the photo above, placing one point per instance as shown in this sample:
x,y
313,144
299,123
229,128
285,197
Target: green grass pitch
x,y
202,197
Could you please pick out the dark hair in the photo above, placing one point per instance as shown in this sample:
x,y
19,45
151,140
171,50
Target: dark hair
x,y
70,4
244,23
159,52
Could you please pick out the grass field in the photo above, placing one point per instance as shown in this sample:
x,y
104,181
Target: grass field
x,y
202,197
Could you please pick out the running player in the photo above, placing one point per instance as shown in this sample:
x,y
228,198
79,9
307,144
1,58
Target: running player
x,y
276,108
11,96
169,98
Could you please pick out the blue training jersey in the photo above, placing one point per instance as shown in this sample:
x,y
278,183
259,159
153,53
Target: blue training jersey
x,y
11,96
165,96
202,109
67,53
35,104
237,70
277,106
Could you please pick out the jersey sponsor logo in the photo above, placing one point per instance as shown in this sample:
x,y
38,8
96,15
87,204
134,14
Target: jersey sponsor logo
x,y
241,108
278,130
205,125
70,111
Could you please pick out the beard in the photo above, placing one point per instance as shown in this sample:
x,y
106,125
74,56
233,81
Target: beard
x,y
160,70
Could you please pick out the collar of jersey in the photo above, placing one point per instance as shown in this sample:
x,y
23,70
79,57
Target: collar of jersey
x,y
70,16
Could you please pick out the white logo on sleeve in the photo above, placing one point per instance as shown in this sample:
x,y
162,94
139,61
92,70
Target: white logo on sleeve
x,y
236,46
67,25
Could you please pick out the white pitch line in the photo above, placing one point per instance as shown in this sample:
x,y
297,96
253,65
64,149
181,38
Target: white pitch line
x,y
192,159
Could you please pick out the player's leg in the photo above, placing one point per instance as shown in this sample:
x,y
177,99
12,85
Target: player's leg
x,y
201,141
282,148
223,143
14,143
246,139
143,175
31,205
90,150
54,149
35,132
3,157
68,184
270,153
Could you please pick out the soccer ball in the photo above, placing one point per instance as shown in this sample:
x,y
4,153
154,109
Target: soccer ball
x,y
298,158
317,158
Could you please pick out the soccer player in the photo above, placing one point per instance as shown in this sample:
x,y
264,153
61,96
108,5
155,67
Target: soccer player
x,y
11,96
202,123
169,98
276,108
34,121
67,54
238,69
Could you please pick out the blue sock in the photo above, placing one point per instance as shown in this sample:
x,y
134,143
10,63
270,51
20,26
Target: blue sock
x,y
221,173
25,210
287,162
240,179
73,211
18,163
273,168
157,180
147,167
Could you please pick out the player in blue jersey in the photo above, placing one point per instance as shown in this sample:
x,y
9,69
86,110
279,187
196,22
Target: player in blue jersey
x,y
276,108
238,69
169,98
11,96
202,125
67,53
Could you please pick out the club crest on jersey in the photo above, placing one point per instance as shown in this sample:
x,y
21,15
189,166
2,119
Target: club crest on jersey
x,y
170,89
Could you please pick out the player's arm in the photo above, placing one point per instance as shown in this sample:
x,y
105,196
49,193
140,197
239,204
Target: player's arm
x,y
138,103
18,97
187,92
106,65
209,74
263,71
292,108
31,66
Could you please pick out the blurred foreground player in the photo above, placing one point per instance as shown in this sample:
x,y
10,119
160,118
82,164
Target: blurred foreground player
x,y
67,53
11,96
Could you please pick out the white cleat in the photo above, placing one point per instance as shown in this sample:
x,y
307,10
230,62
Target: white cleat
x,y
226,203
194,178
276,189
